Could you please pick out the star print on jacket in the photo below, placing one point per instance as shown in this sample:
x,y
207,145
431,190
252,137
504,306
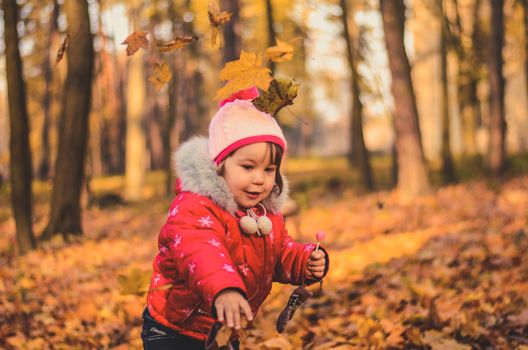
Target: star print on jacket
x,y
176,241
205,221
214,242
174,211
192,267
228,268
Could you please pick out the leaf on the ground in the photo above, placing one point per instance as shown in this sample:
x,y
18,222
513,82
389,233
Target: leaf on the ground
x,y
161,76
520,319
242,74
135,41
62,49
177,43
281,93
281,52
216,19
135,283
277,343
438,341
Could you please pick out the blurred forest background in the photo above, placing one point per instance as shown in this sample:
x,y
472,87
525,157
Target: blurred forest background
x,y
407,111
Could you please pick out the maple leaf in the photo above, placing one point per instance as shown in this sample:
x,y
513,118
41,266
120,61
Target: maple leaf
x,y
216,19
281,52
162,75
134,41
242,74
135,283
62,49
177,43
281,93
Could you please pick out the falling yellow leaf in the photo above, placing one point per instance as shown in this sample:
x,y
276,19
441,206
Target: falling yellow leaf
x,y
281,52
177,43
162,75
135,283
216,19
134,41
242,74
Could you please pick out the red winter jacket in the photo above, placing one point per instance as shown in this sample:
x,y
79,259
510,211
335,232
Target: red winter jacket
x,y
202,250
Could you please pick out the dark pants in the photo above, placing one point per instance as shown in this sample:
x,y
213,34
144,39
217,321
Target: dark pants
x,y
156,336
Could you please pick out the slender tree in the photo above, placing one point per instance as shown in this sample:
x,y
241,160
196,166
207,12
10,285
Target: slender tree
x,y
358,156
412,171
497,150
448,172
524,5
44,161
168,140
20,155
271,31
65,216
135,134
469,62
192,108
232,31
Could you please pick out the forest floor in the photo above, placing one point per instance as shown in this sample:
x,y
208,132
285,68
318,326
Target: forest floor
x,y
446,271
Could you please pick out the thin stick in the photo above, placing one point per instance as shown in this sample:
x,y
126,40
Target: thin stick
x,y
316,247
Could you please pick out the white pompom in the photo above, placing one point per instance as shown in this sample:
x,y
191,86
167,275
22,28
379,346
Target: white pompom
x,y
248,225
264,225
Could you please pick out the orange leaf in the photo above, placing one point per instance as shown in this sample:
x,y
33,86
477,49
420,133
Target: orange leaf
x,y
178,43
216,18
281,52
244,73
62,50
162,75
134,41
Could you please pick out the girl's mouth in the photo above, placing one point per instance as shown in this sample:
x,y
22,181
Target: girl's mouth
x,y
252,195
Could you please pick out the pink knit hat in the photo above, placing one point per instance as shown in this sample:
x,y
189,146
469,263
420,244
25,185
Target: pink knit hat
x,y
239,123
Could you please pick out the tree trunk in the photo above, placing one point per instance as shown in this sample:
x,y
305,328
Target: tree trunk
x,y
172,111
193,110
524,4
448,172
497,150
469,63
43,171
135,134
412,172
358,156
20,155
271,31
232,31
65,216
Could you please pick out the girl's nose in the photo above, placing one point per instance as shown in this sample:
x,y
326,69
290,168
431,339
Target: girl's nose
x,y
258,178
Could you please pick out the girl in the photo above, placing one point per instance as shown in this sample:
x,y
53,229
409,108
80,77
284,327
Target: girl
x,y
224,240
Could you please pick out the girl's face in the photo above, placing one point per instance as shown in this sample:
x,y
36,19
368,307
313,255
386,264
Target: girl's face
x,y
250,174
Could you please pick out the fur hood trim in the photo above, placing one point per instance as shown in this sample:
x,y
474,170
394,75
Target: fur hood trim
x,y
197,173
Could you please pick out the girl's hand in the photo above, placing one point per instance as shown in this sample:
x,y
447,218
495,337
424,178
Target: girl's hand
x,y
316,265
229,305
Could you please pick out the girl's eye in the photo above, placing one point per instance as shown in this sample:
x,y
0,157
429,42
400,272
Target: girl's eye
x,y
247,167
270,170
